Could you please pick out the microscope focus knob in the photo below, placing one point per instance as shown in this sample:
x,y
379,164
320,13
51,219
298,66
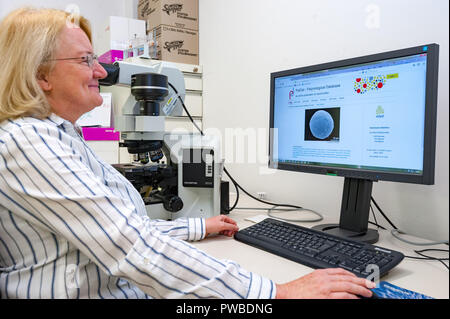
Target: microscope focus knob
x,y
173,204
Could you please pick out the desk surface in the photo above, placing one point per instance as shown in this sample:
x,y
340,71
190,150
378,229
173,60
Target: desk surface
x,y
428,277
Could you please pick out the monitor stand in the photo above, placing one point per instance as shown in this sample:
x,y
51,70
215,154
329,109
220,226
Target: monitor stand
x,y
354,220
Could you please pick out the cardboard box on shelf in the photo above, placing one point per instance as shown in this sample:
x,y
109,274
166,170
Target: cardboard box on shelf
x,y
177,13
176,44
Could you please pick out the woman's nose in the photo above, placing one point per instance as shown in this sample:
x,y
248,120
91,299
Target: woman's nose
x,y
99,71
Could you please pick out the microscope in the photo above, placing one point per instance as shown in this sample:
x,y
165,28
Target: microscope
x,y
177,174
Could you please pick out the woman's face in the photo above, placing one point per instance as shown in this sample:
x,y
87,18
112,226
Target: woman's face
x,y
71,86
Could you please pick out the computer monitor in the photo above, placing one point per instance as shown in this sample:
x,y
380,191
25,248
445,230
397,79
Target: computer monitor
x,y
366,119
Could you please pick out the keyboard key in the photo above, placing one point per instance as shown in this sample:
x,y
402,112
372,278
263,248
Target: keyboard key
x,y
349,265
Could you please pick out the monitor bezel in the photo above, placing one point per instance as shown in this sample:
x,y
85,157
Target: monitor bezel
x,y
427,177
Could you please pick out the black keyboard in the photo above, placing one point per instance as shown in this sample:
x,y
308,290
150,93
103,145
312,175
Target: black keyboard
x,y
318,249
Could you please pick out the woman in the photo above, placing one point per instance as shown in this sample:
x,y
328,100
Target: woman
x,y
70,225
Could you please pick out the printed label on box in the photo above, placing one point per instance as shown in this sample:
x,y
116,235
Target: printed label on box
x,y
177,13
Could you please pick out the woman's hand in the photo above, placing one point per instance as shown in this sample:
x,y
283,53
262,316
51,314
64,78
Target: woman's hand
x,y
221,224
326,283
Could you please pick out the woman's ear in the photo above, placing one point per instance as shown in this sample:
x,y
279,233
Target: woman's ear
x,y
43,82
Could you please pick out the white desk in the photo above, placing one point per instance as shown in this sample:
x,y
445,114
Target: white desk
x,y
428,277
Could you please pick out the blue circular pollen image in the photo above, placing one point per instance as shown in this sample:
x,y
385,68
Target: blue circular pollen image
x,y
321,124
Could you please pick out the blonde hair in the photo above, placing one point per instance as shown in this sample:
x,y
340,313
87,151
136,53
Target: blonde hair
x,y
28,40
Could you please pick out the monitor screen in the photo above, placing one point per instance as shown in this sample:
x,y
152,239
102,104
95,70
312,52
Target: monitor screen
x,y
370,117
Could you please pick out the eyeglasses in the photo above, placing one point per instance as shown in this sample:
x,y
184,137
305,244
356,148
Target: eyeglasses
x,y
89,59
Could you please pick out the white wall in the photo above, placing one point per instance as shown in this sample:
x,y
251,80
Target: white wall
x,y
243,41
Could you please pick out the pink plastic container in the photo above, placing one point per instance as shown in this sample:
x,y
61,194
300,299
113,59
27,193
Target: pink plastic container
x,y
100,134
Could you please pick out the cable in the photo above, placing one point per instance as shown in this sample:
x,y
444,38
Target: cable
x,y
425,257
375,218
396,232
257,199
236,200
251,208
201,132
295,207
381,212
236,184
318,219
270,213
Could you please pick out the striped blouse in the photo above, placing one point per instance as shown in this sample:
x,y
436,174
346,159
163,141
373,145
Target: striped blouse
x,y
71,226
